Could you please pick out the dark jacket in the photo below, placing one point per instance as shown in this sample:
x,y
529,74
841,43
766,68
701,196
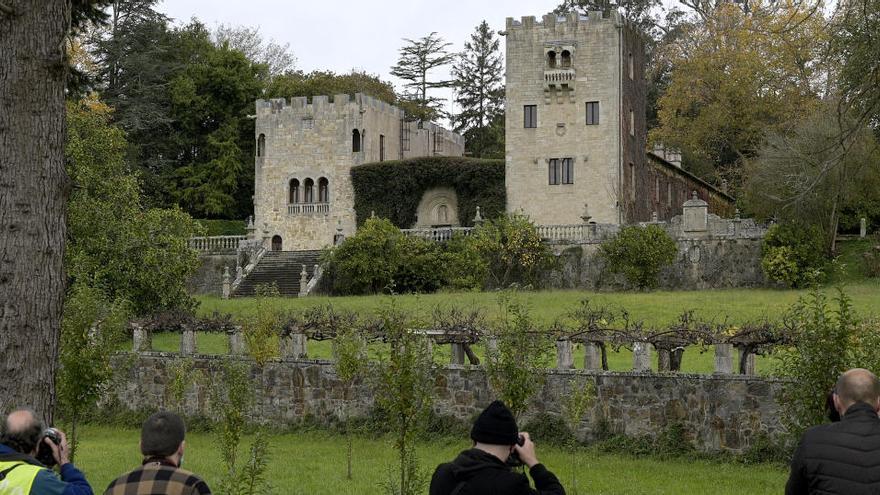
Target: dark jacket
x,y
485,474
839,458
46,482
158,476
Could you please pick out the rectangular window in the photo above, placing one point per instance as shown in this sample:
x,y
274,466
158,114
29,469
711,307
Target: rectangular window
x,y
632,182
669,193
657,190
553,170
530,116
381,147
567,171
308,123
592,113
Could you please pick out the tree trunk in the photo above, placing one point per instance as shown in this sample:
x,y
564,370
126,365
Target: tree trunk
x,y
33,195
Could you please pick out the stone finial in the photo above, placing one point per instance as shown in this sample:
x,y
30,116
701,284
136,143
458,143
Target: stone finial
x,y
694,196
303,281
478,218
372,213
227,283
654,217
585,216
736,214
863,227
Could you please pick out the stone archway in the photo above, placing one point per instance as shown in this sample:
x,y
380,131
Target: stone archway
x,y
438,207
276,243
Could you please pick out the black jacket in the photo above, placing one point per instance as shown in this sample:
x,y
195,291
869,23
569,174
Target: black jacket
x,y
485,474
839,458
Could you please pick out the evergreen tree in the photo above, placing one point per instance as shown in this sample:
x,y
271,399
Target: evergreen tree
x,y
478,76
417,58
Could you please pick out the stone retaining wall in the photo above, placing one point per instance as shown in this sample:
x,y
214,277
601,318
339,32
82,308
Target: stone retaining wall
x,y
717,412
208,277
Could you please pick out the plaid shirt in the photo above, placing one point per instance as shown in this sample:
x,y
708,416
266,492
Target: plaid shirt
x,y
158,477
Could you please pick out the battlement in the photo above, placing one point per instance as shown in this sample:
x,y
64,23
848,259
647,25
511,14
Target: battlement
x,y
570,21
323,105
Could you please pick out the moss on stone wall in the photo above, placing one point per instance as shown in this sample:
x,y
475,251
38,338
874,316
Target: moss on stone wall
x,y
393,189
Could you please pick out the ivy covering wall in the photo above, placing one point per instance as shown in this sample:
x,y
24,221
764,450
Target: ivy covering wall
x,y
393,189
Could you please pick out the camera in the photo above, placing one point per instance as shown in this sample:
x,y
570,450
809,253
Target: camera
x,y
513,459
44,452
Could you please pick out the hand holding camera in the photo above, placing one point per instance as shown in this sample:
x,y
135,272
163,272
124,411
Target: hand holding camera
x,y
53,448
523,452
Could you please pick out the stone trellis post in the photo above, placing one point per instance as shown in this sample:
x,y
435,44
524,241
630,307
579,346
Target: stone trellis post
x,y
724,359
457,354
188,342
142,339
236,341
642,356
294,346
592,356
564,356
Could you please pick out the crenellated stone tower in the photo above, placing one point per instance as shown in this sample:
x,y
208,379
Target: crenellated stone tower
x,y
305,150
575,117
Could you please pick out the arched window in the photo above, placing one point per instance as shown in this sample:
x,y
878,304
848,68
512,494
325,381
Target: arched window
x,y
566,59
323,190
355,141
276,243
261,146
309,191
551,59
294,191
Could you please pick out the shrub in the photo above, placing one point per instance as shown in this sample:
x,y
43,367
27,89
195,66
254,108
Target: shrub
x,y
793,254
511,250
223,227
549,429
639,253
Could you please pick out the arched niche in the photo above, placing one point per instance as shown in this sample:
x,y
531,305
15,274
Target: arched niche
x,y
438,207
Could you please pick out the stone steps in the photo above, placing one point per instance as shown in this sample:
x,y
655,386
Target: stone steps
x,y
282,268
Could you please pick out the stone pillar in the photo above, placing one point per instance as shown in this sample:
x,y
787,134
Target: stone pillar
x,y
642,356
564,357
227,283
294,346
749,360
724,359
188,342
236,342
695,215
863,227
303,281
142,339
457,354
592,356
664,360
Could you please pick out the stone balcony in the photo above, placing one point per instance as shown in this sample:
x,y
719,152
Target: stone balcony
x,y
558,76
308,208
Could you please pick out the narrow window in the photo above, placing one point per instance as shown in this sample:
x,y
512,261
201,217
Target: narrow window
x,y
567,171
632,182
355,141
592,113
530,113
309,191
632,123
669,193
294,191
657,190
551,59
261,145
631,67
308,123
381,147
553,171
566,59
323,190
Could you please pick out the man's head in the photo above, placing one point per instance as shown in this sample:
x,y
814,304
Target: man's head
x,y
162,436
22,431
495,430
856,385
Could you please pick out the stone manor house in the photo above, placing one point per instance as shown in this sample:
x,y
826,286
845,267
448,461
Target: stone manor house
x,y
575,132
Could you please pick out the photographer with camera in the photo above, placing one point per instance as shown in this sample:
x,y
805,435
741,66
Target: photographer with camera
x,y
486,469
27,452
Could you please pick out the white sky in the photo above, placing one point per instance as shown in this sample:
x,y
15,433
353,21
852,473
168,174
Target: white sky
x,y
341,35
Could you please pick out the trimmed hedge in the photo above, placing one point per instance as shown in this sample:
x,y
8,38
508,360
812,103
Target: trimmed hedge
x,y
223,227
394,189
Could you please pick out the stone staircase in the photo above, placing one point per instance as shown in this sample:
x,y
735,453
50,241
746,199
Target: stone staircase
x,y
281,267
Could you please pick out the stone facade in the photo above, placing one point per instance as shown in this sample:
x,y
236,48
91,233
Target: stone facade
x,y
717,412
305,151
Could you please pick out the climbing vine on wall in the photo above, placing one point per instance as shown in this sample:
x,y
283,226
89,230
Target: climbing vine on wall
x,y
393,189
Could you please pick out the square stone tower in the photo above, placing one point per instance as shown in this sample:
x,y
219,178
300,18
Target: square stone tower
x,y
575,117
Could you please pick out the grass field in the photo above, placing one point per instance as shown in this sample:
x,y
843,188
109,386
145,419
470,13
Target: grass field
x,y
313,463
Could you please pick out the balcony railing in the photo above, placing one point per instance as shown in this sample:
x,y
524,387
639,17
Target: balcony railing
x,y
308,208
217,243
559,75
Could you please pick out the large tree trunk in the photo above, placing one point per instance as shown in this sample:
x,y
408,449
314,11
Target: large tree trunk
x,y
33,195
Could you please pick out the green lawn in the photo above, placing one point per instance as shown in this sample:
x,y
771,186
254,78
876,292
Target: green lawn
x,y
314,464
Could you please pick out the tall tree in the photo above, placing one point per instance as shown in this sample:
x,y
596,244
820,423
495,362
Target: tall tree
x,y
417,59
276,57
478,74
856,46
34,189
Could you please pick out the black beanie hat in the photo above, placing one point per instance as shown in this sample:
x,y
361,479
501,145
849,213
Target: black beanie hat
x,y
495,425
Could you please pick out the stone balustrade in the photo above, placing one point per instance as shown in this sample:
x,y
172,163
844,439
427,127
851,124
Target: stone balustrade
x,y
439,234
308,208
216,244
295,346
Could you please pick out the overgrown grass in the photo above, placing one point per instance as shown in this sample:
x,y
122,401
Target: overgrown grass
x,y
313,463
